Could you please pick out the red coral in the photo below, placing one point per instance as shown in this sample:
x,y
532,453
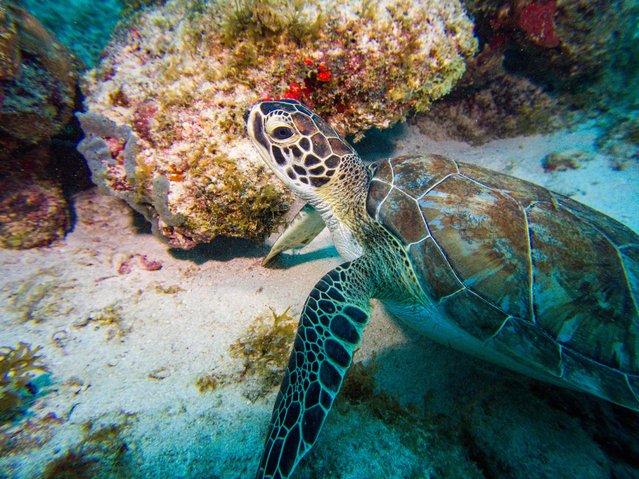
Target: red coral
x,y
313,81
324,74
294,91
537,21
297,91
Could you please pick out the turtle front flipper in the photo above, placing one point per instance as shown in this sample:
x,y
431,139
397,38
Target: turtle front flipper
x,y
304,227
330,329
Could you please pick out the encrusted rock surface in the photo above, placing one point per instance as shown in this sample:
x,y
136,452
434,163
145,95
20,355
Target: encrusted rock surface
x,y
545,64
37,78
38,84
165,127
567,44
33,209
489,103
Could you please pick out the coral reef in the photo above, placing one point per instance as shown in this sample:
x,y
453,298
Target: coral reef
x,y
37,78
576,59
489,103
38,90
32,213
165,107
19,366
565,44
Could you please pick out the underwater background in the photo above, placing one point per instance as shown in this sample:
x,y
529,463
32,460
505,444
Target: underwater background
x,y
139,334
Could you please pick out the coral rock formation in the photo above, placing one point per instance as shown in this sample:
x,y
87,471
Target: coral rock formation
x,y
489,103
37,80
165,127
37,93
565,43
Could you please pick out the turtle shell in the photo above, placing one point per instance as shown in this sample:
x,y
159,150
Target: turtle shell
x,y
542,278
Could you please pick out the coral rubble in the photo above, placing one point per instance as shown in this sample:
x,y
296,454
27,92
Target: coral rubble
x,y
165,107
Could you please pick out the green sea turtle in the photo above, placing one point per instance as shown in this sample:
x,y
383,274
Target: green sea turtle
x,y
489,264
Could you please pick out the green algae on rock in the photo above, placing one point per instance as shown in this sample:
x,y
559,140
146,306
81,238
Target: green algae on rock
x,y
104,451
165,107
263,351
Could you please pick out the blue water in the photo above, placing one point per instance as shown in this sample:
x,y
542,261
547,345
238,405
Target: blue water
x,y
84,26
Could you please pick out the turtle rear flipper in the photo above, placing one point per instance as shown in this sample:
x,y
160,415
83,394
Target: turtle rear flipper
x,y
330,329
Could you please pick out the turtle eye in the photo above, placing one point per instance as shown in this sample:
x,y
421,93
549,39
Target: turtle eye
x,y
282,133
280,130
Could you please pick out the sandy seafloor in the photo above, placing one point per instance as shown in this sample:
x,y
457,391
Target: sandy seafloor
x,y
469,419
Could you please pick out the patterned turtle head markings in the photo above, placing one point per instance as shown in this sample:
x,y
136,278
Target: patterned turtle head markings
x,y
321,148
299,146
305,144
302,148
305,125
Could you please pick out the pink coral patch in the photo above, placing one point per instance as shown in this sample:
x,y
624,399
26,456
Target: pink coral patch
x,y
127,265
537,20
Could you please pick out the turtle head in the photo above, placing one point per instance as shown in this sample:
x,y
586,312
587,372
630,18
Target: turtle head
x,y
303,150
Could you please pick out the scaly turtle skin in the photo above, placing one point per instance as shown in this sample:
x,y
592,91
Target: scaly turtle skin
x,y
484,262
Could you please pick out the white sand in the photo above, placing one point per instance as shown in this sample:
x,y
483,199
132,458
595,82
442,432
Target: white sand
x,y
49,296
